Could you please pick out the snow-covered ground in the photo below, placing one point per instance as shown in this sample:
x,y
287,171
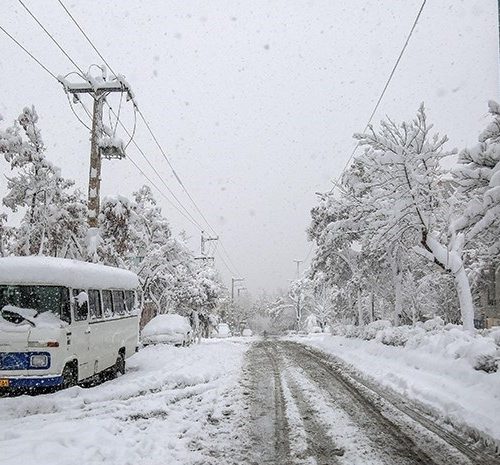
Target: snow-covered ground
x,y
173,406
431,374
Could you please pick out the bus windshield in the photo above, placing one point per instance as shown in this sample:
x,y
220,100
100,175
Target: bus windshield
x,y
42,299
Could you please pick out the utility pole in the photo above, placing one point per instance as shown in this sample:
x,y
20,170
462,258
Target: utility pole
x,y
241,289
298,262
233,281
204,240
102,144
299,310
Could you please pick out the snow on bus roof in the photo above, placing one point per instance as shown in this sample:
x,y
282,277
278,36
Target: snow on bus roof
x,y
64,272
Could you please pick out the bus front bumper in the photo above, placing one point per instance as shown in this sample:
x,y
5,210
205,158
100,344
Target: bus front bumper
x,y
22,382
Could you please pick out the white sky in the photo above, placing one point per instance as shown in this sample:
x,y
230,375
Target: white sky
x,y
255,102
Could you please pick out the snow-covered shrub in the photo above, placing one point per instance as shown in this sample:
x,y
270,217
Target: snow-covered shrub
x,y
352,331
398,335
370,331
495,335
314,330
487,363
454,343
433,324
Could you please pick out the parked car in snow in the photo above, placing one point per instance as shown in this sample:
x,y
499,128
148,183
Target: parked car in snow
x,y
247,332
223,330
64,321
169,328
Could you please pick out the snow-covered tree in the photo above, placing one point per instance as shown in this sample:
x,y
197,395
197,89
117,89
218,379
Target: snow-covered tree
x,y
323,306
407,199
478,177
395,201
53,220
117,235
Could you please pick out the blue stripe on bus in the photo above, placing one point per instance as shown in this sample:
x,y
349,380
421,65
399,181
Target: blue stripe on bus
x,y
34,382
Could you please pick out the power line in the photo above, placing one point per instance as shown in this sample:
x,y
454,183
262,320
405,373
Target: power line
x,y
177,177
51,37
142,117
156,187
391,75
76,115
231,272
189,216
36,60
190,219
86,36
148,126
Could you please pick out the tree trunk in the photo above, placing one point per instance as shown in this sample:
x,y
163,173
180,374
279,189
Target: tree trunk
x,y
398,296
465,298
451,261
372,306
360,309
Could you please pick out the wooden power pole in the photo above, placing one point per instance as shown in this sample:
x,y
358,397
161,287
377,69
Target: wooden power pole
x,y
203,253
101,144
233,281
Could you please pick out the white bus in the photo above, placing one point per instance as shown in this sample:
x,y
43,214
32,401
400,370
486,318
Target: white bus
x,y
64,321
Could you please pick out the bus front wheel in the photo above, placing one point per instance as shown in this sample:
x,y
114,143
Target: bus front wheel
x,y
69,376
120,365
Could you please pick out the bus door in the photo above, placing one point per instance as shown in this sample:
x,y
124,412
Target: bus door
x,y
80,333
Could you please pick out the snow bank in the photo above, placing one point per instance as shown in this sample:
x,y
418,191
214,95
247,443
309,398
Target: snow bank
x,y
431,337
433,367
169,324
170,406
64,272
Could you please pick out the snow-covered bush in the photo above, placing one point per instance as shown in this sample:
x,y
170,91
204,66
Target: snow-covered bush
x,y
433,324
397,335
481,350
370,331
352,331
495,335
315,330
487,363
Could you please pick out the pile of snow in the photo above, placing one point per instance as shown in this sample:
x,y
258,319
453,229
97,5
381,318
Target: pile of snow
x,y
171,405
433,337
247,332
223,330
168,324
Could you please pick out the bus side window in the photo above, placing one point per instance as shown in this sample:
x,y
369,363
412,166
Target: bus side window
x,y
118,303
65,305
107,304
130,301
81,304
94,304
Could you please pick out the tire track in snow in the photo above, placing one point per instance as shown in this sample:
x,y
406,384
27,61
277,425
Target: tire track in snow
x,y
397,408
269,427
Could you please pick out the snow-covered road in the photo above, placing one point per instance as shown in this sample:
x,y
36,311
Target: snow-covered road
x,y
321,414
227,402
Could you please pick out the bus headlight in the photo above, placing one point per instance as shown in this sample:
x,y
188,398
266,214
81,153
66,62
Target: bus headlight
x,y
39,361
